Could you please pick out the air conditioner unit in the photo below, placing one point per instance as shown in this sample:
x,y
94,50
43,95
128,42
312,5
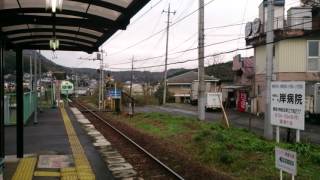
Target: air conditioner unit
x,y
300,18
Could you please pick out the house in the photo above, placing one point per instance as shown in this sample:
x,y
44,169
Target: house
x,y
181,85
239,93
296,51
137,88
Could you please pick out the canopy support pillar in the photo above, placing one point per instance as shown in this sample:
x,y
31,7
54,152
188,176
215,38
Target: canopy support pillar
x,y
19,95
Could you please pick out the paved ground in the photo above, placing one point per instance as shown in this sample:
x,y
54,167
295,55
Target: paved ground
x,y
50,137
311,134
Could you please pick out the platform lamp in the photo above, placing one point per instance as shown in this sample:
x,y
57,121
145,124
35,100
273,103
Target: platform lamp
x,y
54,44
53,5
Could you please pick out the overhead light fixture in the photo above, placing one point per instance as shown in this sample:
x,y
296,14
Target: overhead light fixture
x,y
54,44
53,5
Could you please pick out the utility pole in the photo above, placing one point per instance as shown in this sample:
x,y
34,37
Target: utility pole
x,y
131,76
201,74
100,83
101,74
30,80
268,131
40,83
101,102
35,85
131,104
166,60
77,86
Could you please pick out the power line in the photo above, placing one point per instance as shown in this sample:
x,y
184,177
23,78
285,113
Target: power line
x,y
221,53
155,57
153,35
136,20
183,51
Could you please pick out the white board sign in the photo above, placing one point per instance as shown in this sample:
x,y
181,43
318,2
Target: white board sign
x,y
288,104
286,160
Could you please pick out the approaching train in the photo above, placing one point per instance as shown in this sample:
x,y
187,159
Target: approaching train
x,y
66,88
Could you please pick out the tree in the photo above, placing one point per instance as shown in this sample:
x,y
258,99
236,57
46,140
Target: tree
x,y
159,95
215,59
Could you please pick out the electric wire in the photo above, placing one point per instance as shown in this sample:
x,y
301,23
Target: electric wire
x,y
155,57
220,53
158,32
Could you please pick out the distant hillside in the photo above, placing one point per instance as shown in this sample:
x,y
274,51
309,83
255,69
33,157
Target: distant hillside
x,y
139,76
47,65
221,71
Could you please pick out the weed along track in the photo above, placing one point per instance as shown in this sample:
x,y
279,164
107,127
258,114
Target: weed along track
x,y
143,164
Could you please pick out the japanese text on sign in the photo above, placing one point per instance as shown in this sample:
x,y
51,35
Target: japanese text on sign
x,y
288,104
286,160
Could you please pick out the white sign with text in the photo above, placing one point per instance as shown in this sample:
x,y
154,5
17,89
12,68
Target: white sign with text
x,y
286,161
288,104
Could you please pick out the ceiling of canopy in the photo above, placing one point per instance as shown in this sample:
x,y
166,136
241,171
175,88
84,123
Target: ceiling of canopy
x,y
80,25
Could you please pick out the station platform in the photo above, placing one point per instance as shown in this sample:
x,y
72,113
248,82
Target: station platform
x,y
55,148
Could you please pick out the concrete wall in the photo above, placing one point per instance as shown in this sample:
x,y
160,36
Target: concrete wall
x,y
179,89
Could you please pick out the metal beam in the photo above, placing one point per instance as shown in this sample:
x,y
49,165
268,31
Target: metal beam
x,y
63,43
93,24
32,11
35,30
61,38
19,99
2,134
17,16
124,19
104,4
62,48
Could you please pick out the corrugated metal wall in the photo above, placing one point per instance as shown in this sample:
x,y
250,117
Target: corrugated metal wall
x,y
293,56
290,56
260,57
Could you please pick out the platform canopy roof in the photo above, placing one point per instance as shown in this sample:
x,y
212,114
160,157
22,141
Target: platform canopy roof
x,y
81,25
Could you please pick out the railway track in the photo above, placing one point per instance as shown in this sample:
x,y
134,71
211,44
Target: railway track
x,y
147,165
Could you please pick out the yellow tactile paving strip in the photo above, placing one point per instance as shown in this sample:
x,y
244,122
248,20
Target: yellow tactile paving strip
x,y
46,174
83,170
25,169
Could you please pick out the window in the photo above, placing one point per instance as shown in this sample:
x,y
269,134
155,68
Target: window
x,y
259,90
313,55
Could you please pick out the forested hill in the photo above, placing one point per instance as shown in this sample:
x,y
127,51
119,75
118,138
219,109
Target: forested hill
x,y
221,71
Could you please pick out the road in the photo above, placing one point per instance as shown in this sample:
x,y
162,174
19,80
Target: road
x,y
236,119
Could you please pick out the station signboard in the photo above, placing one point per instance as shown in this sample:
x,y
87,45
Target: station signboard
x,y
115,94
288,104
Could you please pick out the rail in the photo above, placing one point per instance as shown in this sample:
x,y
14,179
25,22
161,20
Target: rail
x,y
132,142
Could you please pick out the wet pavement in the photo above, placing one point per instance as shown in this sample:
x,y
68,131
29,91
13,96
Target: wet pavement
x,y
49,137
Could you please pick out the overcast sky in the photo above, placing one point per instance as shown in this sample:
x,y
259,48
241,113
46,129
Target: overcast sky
x,y
183,35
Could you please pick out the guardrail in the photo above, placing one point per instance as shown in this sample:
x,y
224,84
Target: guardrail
x,y
29,106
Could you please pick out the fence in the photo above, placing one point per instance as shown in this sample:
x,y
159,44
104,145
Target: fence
x,y
29,105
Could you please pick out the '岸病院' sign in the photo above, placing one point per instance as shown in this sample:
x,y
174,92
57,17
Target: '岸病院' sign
x,y
288,104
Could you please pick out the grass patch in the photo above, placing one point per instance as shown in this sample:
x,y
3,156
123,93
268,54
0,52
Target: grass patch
x,y
164,125
234,151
